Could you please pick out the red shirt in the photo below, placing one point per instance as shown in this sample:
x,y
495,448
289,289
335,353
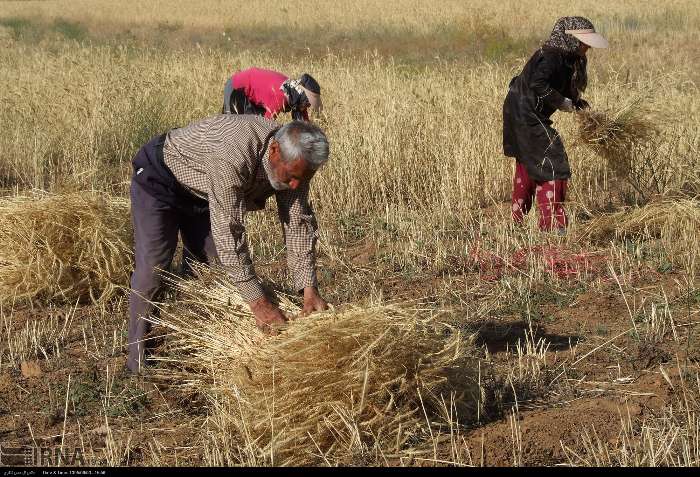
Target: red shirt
x,y
262,87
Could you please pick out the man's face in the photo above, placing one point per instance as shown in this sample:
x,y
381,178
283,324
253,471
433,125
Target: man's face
x,y
287,175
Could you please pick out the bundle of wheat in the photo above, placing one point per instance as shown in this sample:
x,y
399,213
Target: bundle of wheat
x,y
64,247
616,135
670,218
324,387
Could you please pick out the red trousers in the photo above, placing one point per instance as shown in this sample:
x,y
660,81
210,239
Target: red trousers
x,y
550,199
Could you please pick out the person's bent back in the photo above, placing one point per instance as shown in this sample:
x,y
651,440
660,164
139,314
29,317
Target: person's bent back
x,y
201,181
268,93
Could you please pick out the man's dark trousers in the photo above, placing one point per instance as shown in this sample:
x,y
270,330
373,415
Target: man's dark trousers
x,y
156,226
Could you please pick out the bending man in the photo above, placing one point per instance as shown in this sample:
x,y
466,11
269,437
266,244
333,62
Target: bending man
x,y
201,180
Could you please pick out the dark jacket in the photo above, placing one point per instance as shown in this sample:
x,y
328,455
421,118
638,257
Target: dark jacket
x,y
532,98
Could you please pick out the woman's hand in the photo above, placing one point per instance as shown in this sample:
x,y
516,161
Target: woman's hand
x,y
567,105
581,104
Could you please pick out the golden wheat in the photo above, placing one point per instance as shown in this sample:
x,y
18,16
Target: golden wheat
x,y
328,383
59,248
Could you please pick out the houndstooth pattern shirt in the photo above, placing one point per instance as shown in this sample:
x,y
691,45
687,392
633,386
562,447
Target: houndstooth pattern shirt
x,y
222,159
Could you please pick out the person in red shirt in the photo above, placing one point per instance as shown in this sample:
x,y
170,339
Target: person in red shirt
x,y
268,93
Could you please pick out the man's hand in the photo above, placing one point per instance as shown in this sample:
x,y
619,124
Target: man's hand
x,y
312,302
268,317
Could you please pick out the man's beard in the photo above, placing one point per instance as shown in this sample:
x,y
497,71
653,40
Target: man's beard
x,y
276,183
272,177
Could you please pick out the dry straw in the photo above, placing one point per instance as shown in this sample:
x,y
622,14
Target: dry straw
x,y
670,218
325,389
69,247
616,135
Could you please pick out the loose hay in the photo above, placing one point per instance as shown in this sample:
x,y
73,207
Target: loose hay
x,y
615,135
64,247
328,388
670,218
669,226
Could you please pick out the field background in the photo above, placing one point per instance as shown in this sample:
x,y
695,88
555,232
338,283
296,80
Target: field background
x,y
413,206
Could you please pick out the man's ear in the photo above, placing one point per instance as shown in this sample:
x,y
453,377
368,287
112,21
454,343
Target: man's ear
x,y
274,151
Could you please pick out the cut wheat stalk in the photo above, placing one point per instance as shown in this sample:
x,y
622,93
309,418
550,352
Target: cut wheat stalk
x,y
665,217
334,382
63,247
615,135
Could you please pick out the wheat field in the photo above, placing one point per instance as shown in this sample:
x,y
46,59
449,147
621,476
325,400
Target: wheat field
x,y
413,208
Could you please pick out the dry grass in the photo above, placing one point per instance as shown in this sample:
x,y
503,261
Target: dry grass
x,y
413,112
616,135
330,387
667,225
40,337
329,18
671,439
63,248
667,218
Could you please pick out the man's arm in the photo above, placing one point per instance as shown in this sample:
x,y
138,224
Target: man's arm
x,y
300,234
227,214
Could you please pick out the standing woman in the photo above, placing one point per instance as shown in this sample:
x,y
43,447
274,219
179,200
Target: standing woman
x,y
553,79
268,93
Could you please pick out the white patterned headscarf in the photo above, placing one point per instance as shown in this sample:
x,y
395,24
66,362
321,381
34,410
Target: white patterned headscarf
x,y
301,93
567,43
564,41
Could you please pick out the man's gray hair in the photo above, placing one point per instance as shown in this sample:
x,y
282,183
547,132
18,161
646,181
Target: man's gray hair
x,y
303,140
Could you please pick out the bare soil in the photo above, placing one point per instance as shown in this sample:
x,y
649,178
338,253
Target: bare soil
x,y
610,374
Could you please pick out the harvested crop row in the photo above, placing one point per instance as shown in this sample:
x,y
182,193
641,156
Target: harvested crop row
x,y
331,384
63,248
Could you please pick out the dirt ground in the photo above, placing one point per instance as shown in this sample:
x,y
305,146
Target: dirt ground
x,y
599,373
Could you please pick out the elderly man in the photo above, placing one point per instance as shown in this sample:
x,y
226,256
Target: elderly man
x,y
201,180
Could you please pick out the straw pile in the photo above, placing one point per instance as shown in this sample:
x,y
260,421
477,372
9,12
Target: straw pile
x,y
672,219
328,387
58,248
616,135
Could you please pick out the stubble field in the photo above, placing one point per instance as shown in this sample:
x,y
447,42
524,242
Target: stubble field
x,y
581,349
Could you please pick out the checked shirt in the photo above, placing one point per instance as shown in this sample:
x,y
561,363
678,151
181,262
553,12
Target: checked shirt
x,y
223,160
